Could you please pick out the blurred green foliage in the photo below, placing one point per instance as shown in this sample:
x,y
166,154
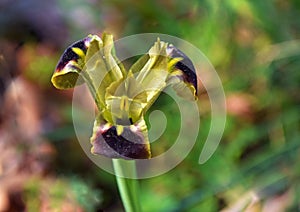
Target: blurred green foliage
x,y
59,195
255,47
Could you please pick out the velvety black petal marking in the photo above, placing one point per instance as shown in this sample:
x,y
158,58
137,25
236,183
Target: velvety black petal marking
x,y
128,145
185,65
70,55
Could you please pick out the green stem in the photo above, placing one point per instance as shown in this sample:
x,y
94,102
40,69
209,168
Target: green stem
x,y
128,188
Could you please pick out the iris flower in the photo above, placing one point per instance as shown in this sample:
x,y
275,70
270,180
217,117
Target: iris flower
x,y
123,96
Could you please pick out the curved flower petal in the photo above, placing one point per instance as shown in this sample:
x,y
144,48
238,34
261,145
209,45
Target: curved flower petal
x,y
184,71
71,64
118,141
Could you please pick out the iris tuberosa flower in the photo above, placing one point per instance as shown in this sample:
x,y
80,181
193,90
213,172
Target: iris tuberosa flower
x,y
124,96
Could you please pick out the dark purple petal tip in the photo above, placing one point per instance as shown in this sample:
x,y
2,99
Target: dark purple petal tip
x,y
185,65
70,55
129,145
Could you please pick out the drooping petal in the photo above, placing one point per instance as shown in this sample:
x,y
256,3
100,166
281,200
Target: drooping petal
x,y
184,70
118,141
71,64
